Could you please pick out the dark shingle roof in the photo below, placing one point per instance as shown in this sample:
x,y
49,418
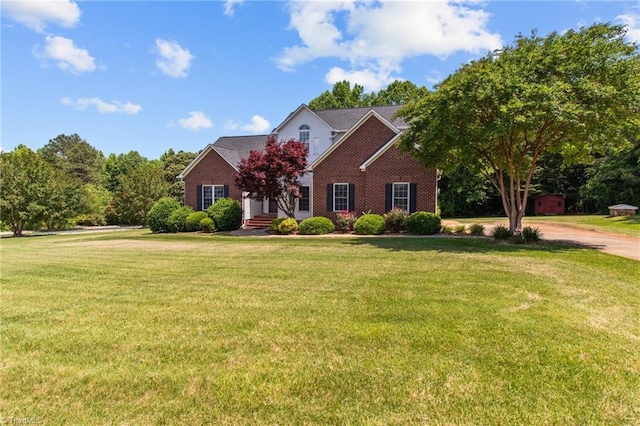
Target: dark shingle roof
x,y
344,118
234,148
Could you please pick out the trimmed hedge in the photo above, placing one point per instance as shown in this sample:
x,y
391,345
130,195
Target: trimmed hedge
x,y
275,223
226,214
160,212
370,224
193,221
317,225
423,223
288,226
177,221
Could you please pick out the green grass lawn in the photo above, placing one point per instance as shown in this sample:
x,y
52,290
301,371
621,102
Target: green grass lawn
x,y
620,225
135,328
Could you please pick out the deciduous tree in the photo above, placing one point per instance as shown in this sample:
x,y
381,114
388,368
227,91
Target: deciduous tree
x,y
274,173
572,93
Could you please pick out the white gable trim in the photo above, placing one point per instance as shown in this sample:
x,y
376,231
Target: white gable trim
x,y
294,113
210,147
369,114
378,153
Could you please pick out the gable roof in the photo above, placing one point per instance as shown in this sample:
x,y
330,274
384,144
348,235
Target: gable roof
x,y
370,113
343,119
231,148
293,114
393,141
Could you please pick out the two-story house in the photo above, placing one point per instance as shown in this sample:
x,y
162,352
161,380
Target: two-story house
x,y
354,164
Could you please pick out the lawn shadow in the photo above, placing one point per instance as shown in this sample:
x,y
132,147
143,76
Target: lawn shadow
x,y
455,244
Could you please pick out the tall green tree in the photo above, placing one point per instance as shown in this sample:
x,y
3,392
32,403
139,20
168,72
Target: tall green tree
x,y
24,183
117,165
137,191
342,95
572,93
615,178
173,164
74,157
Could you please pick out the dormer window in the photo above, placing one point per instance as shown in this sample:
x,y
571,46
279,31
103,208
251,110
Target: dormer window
x,y
304,135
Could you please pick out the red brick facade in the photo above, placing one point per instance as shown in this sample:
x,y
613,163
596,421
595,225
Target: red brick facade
x,y
343,166
211,170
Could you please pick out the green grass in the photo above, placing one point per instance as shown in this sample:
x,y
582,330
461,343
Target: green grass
x,y
625,225
135,328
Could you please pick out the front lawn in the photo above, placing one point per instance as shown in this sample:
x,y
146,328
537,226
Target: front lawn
x,y
626,225
135,328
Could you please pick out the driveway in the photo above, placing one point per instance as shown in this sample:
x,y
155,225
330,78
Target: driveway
x,y
606,242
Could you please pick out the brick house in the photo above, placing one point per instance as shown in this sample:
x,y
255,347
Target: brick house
x,y
354,164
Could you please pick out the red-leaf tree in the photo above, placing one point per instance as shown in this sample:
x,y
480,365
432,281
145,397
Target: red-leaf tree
x,y
274,173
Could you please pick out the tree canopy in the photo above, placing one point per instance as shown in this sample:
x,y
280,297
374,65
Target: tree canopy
x,y
274,173
74,157
573,93
342,95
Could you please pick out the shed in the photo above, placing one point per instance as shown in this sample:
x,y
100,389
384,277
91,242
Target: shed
x,y
549,204
622,210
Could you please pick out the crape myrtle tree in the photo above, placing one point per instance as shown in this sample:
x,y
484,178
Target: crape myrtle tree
x,y
574,93
274,173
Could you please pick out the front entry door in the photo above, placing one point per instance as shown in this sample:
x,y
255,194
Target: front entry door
x,y
273,206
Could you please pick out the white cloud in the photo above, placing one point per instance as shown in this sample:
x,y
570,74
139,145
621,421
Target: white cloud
x,y
379,35
101,106
230,5
197,120
258,125
37,14
68,57
633,26
174,60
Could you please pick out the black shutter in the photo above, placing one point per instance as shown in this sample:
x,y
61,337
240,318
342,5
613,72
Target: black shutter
x,y
352,197
330,197
413,194
199,198
388,197
225,191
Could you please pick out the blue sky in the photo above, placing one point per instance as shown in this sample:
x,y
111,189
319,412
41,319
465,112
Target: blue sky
x,y
154,75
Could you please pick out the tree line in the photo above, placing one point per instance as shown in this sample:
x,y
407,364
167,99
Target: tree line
x,y
68,183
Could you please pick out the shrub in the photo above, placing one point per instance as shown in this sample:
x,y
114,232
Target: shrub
x,y
93,219
288,226
477,229
275,223
501,232
462,229
316,226
226,214
369,224
395,219
193,221
423,223
447,230
177,221
345,220
531,235
207,225
160,212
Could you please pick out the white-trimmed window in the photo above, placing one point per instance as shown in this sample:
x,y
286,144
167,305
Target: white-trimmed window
x,y
340,197
303,201
400,196
211,194
303,135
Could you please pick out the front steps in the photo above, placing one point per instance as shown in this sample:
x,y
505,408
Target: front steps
x,y
260,221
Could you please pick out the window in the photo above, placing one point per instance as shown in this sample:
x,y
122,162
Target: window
x,y
304,135
400,196
211,194
303,201
340,197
